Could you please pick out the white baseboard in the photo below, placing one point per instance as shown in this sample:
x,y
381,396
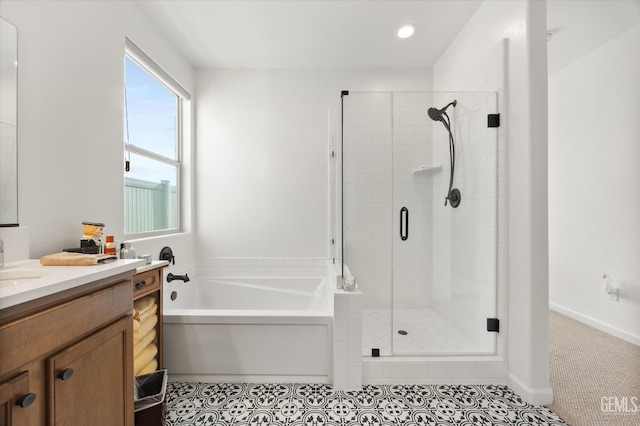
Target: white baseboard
x,y
539,396
614,331
230,378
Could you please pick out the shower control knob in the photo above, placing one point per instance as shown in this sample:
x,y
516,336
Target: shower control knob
x,y
167,254
454,198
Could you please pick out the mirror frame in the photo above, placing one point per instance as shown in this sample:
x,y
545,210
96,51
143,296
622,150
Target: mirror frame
x,y
8,124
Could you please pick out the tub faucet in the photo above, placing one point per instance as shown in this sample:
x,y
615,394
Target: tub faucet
x,y
171,277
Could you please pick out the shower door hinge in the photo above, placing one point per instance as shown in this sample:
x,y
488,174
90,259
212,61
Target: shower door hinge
x,y
333,154
493,120
333,241
493,324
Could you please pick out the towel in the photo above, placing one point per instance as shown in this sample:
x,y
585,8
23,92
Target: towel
x,y
142,317
76,259
149,368
141,305
145,327
144,358
144,341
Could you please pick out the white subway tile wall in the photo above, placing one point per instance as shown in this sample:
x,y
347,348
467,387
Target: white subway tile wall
x,y
366,190
412,148
465,239
470,264
347,340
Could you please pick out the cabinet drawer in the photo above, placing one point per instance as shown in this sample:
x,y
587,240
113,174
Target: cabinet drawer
x,y
30,337
146,282
10,393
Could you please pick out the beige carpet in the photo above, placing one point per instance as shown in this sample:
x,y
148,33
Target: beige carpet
x,y
595,376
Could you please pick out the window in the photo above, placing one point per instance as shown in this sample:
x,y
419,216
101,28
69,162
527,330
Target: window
x,y
152,146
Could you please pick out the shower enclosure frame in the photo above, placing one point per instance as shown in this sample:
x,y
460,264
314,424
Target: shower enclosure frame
x,y
470,103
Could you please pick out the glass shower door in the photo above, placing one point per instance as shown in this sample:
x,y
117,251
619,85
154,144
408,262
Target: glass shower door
x,y
427,272
445,269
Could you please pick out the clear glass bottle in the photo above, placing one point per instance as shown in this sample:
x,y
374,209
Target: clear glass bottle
x,y
127,252
132,252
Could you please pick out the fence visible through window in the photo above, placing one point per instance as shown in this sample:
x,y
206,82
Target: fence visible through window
x,y
149,205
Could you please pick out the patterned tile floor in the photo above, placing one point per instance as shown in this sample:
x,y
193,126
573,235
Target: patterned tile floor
x,y
218,404
428,333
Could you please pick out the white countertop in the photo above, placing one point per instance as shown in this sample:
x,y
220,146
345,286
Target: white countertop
x,y
56,278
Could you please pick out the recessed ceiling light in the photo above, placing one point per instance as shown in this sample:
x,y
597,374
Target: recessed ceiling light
x,y
406,31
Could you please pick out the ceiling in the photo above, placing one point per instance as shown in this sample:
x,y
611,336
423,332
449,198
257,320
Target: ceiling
x,y
361,33
309,33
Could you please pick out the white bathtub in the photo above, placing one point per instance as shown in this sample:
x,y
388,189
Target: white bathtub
x,y
250,330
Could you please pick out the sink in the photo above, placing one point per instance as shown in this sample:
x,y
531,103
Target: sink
x,y
19,276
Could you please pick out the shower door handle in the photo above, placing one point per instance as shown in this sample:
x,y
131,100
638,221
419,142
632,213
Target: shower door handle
x,y
404,223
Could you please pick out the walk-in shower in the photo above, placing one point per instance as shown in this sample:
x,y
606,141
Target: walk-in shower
x,y
427,272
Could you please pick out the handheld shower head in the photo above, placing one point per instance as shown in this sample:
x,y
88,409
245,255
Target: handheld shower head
x,y
436,114
453,196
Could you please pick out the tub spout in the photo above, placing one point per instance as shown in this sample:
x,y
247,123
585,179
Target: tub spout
x,y
171,277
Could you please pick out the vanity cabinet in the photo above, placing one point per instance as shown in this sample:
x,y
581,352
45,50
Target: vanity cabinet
x,y
69,360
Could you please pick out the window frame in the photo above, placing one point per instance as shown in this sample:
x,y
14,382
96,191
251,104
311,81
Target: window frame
x,y
140,59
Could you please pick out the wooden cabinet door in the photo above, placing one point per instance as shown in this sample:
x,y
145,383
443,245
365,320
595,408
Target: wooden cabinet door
x,y
91,382
15,401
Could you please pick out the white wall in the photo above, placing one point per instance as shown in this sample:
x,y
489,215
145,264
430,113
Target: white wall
x,y
594,105
263,158
523,23
70,116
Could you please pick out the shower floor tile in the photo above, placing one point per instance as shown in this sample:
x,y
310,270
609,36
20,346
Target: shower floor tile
x,y
225,404
427,333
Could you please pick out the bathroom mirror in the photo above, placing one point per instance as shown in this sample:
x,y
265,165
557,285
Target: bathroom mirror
x,y
8,124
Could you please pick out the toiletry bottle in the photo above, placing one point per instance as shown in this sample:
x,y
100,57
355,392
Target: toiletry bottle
x,y
132,252
110,246
127,252
123,251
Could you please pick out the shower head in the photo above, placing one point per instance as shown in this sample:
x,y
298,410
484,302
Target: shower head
x,y
453,196
441,116
436,114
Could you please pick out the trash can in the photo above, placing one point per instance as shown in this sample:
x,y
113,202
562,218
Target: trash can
x,y
149,402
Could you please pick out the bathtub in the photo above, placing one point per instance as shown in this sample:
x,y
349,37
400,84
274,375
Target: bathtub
x,y
256,330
